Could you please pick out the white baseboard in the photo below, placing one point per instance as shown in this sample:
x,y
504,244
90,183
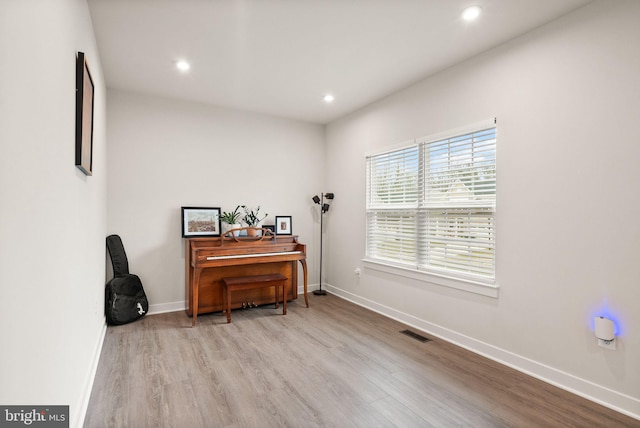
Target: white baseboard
x,y
310,287
161,308
80,414
619,402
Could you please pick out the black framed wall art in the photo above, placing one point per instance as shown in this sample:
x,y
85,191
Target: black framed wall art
x,y
84,115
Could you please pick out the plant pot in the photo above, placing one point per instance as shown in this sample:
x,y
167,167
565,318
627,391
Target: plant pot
x,y
254,231
227,227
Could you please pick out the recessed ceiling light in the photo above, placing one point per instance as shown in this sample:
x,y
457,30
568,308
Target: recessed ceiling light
x,y
183,65
328,98
471,13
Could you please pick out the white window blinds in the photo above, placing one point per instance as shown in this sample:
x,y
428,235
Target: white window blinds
x,y
393,196
431,205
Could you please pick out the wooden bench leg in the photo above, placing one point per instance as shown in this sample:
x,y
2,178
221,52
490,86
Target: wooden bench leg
x,y
284,299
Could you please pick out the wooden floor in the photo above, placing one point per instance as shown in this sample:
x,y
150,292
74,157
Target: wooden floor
x,y
334,364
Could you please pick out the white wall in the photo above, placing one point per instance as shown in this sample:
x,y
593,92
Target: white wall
x,y
567,100
52,216
165,154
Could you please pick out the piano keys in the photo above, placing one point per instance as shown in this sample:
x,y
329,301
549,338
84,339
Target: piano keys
x,y
208,260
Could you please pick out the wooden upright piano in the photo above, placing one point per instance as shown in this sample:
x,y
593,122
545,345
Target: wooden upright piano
x,y
208,260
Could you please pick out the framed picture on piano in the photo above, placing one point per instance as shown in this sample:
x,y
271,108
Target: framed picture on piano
x,y
283,225
200,221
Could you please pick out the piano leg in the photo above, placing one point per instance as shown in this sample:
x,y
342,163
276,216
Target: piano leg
x,y
195,296
304,270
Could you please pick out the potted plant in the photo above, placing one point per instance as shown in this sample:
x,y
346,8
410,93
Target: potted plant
x,y
231,220
252,218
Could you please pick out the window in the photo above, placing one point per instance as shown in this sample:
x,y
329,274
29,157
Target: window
x,y
431,205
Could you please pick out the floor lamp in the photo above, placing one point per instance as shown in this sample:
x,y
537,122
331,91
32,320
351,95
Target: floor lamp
x,y
324,207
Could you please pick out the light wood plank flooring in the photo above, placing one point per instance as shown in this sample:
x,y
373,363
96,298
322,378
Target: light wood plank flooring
x,y
334,364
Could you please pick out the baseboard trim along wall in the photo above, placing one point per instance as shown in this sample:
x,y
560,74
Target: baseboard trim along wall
x,y
622,403
79,415
162,308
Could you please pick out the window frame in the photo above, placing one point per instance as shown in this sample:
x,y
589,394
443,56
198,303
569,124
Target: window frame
x,y
424,208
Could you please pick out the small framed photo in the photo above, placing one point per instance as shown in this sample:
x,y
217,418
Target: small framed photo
x,y
200,221
283,225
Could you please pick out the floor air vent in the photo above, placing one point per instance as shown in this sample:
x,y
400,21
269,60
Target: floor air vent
x,y
415,336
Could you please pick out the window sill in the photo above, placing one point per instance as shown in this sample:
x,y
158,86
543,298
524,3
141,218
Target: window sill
x,y
489,290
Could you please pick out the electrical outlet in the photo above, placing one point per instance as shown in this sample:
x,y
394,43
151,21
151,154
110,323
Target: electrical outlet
x,y
357,272
611,345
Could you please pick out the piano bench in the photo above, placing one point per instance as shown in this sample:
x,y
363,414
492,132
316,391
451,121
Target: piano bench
x,y
275,280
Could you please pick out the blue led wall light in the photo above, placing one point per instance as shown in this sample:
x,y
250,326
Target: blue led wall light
x,y
605,332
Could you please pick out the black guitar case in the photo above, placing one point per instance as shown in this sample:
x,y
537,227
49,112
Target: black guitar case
x,y
125,300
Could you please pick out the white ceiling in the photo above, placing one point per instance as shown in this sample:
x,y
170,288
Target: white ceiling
x,y
280,57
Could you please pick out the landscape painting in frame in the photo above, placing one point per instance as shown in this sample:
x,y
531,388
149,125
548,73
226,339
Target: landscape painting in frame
x,y
200,222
